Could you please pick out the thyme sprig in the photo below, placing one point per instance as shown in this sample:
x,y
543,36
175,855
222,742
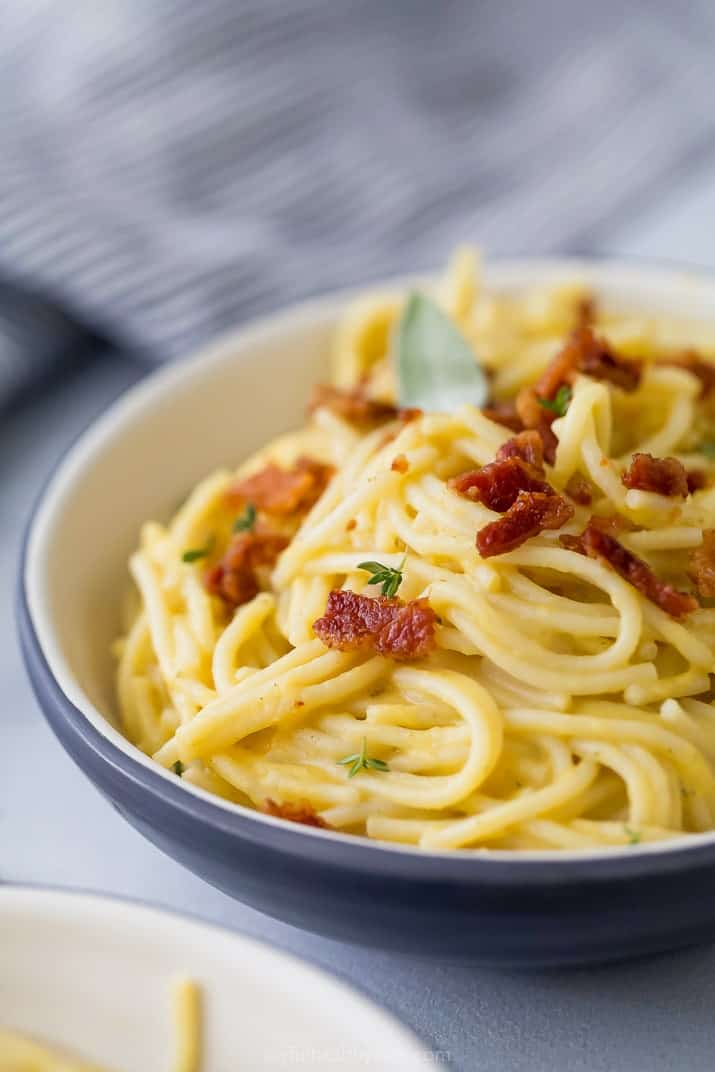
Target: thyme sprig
x,y
362,761
388,577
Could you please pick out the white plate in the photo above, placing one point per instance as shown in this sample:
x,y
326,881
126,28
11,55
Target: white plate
x,y
94,975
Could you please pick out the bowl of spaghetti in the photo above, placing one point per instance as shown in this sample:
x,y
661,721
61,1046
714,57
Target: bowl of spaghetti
x,y
428,667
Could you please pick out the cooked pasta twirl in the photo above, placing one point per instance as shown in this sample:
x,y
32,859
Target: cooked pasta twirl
x,y
487,627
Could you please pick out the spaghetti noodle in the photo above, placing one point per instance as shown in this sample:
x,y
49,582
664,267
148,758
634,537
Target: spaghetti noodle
x,y
21,1054
559,695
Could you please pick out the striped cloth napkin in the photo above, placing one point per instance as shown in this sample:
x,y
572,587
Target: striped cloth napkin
x,y
170,168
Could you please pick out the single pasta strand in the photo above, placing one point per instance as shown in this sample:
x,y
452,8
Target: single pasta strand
x,y
21,1054
187,1026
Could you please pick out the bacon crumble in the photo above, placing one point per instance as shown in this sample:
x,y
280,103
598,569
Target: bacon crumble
x,y
572,543
579,489
597,543
586,352
302,813
527,445
354,404
583,352
235,579
409,413
697,480
390,627
283,492
512,485
665,476
614,524
692,362
498,484
504,413
534,416
400,464
530,514
560,370
702,565
596,358
586,311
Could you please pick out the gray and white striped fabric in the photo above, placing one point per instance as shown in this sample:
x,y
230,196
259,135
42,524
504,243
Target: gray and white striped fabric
x,y
170,168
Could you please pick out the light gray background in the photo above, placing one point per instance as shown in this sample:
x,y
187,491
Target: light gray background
x,y
652,1015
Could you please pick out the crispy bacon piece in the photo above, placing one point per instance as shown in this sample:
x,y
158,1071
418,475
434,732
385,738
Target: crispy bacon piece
x,y
235,578
283,492
531,413
572,543
666,476
697,480
504,413
400,464
560,370
596,358
389,627
303,813
579,489
702,565
586,311
530,514
527,445
612,526
586,352
691,361
534,416
597,543
409,413
498,484
352,404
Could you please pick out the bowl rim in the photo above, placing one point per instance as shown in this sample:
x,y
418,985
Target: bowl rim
x,y
92,731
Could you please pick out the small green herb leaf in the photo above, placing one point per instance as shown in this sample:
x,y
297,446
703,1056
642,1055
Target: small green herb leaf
x,y
559,403
376,764
389,578
633,836
708,449
193,554
178,767
362,761
353,761
437,369
245,521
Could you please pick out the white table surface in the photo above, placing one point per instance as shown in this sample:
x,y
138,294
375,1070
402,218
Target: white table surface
x,y
655,1014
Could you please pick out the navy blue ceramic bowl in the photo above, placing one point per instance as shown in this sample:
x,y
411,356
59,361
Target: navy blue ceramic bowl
x,y
136,462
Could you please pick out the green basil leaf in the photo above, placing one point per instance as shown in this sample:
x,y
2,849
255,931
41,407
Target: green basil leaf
x,y
437,369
